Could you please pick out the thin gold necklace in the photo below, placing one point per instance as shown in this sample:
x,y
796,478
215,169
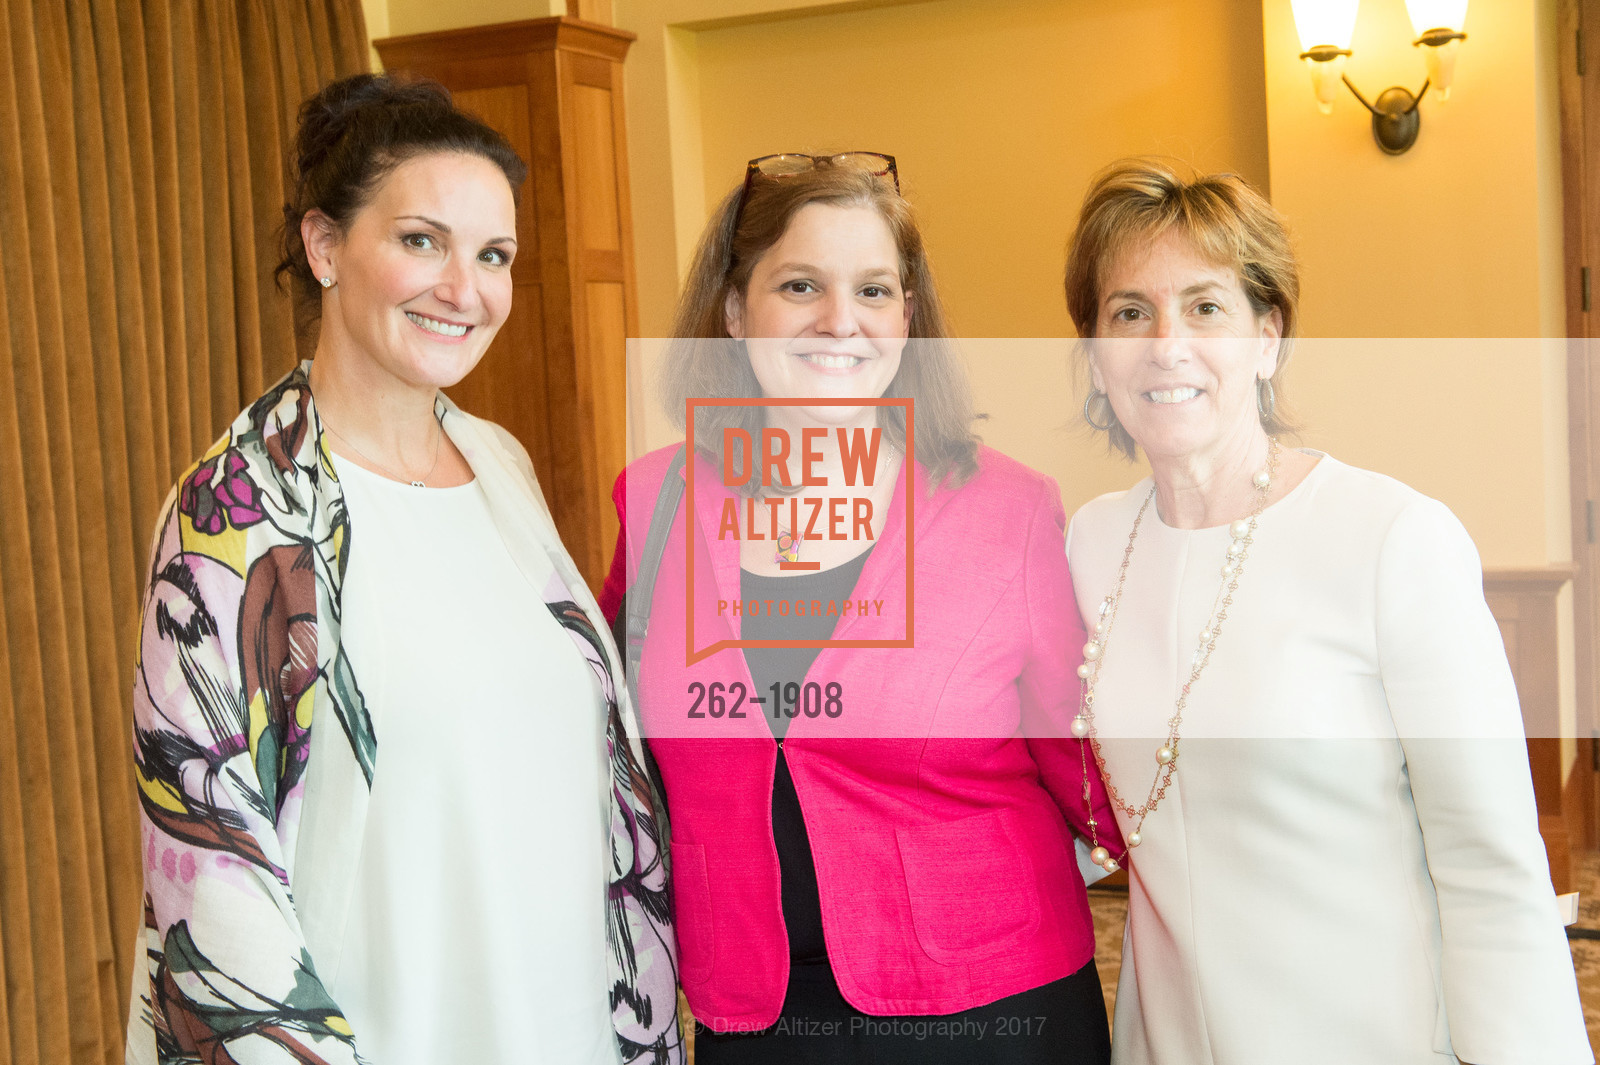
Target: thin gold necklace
x,y
1242,533
387,472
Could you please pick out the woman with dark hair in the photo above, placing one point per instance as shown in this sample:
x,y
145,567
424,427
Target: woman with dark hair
x,y
873,827
392,796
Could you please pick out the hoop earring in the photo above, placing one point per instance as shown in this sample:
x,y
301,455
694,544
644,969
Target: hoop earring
x,y
1111,415
1266,398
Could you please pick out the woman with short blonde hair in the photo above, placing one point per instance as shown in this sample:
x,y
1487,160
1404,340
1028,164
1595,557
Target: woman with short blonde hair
x,y
1223,217
1294,690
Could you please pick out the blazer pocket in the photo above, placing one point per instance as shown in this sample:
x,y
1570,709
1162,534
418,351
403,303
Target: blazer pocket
x,y
971,886
691,902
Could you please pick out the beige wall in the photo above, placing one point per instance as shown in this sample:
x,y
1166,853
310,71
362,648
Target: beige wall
x,y
376,13
1441,241
1459,238
1000,110
997,112
425,16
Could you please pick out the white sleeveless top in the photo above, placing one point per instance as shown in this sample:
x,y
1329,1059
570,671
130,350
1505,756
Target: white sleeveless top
x,y
477,926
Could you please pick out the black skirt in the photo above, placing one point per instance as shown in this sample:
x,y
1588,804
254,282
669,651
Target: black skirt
x,y
1061,1023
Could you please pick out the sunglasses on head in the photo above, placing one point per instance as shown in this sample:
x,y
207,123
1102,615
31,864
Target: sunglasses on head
x,y
789,164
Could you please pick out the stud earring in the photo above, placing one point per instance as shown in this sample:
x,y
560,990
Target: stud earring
x,y
327,282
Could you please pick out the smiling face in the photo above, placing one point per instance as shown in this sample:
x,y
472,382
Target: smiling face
x,y
824,313
1178,349
423,272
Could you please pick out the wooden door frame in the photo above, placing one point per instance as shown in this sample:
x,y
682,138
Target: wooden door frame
x,y
1579,89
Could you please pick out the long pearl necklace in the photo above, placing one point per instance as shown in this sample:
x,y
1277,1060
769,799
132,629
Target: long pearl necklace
x,y
1243,534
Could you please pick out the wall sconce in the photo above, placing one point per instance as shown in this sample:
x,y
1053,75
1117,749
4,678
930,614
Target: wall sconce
x,y
1326,27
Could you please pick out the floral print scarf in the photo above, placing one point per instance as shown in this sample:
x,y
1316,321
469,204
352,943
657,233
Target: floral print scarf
x,y
239,658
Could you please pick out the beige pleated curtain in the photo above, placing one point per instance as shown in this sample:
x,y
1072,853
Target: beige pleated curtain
x,y
142,175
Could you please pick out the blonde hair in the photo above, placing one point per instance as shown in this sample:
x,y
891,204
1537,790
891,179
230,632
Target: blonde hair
x,y
1226,220
702,361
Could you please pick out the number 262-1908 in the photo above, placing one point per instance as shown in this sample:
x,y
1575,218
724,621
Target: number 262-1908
x,y
811,699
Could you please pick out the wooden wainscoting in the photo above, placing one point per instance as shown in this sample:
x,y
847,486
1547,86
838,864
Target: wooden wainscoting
x,y
1523,601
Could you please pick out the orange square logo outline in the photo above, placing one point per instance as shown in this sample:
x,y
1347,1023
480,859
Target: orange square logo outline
x,y
691,656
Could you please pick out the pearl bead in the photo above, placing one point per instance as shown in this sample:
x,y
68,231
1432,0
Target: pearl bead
x,y
1239,529
1083,671
1110,865
1235,548
1205,635
1228,569
1264,479
1080,726
1134,839
1091,651
1100,856
1099,627
1166,755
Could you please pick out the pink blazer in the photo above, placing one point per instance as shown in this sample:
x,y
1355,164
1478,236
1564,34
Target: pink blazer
x,y
943,838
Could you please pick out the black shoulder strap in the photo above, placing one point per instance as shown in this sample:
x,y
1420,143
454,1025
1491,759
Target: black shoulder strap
x,y
637,601
632,622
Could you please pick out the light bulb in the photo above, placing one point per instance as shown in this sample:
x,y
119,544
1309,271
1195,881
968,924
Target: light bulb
x,y
1437,15
1325,23
1438,25
1326,27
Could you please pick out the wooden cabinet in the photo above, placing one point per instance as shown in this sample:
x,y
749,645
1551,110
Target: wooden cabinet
x,y
1523,602
555,376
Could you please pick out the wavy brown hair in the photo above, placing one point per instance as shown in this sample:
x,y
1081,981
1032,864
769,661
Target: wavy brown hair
x,y
703,362
1226,220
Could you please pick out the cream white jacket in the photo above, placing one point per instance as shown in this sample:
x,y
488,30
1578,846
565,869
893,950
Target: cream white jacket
x,y
246,885
1347,868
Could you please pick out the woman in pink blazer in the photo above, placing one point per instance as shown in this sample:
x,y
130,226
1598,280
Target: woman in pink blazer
x,y
874,813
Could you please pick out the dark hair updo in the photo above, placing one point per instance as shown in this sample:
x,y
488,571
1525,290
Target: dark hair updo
x,y
352,134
